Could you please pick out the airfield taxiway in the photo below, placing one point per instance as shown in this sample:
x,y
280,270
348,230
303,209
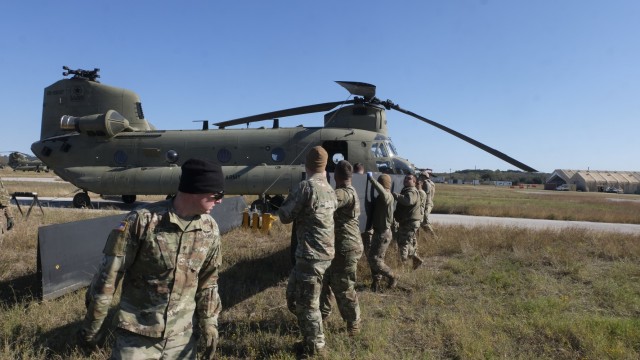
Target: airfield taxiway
x,y
437,219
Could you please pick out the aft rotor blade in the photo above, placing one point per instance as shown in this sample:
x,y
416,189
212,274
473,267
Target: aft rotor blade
x,y
309,109
355,88
471,141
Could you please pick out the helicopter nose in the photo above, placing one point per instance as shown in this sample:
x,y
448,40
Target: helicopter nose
x,y
403,166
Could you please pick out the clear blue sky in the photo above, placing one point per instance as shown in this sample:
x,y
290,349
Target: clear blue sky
x,y
552,83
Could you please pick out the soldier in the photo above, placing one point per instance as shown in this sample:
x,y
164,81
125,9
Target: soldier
x,y
310,206
408,214
430,189
382,222
6,217
422,196
358,168
169,255
340,278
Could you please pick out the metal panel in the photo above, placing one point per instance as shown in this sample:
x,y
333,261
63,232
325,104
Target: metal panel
x,y
366,193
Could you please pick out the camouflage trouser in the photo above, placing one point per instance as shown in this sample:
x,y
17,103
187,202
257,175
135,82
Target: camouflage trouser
x,y
3,222
303,299
426,223
340,282
366,240
132,346
375,257
407,245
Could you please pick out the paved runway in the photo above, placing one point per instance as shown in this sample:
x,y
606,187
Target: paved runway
x,y
32,179
470,221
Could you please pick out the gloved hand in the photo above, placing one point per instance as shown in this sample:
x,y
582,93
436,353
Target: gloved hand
x,y
369,175
10,223
210,341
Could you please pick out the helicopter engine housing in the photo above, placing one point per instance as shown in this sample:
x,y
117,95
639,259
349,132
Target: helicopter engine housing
x,y
105,125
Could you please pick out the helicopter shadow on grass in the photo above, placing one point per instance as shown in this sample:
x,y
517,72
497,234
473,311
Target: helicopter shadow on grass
x,y
25,290
19,290
247,278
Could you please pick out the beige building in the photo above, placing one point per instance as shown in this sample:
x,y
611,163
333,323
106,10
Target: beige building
x,y
596,180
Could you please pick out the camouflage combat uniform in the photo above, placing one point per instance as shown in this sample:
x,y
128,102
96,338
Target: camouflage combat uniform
x,y
382,222
430,189
170,269
340,278
311,207
423,201
408,216
6,217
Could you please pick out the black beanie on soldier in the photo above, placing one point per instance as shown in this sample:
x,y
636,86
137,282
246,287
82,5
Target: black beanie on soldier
x,y
201,176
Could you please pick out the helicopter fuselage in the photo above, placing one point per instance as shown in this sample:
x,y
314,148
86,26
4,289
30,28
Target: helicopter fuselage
x,y
255,161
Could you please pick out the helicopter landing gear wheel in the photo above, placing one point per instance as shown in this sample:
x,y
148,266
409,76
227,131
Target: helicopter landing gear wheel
x,y
128,199
81,200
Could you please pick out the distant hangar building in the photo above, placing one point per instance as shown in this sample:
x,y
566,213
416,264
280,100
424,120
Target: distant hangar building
x,y
595,180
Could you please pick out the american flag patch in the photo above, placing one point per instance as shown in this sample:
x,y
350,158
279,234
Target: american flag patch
x,y
122,226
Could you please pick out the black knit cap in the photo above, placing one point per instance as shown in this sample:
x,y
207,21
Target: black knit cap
x,y
201,177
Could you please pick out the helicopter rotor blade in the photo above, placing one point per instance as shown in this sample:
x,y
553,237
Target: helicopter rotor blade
x,y
309,109
471,141
355,88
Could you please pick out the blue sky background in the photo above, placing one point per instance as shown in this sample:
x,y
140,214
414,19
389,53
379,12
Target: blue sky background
x,y
552,83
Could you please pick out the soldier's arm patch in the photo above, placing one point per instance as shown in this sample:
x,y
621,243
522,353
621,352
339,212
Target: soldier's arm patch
x,y
117,241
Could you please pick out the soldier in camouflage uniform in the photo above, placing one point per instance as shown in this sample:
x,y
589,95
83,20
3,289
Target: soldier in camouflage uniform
x,y
430,190
168,254
6,217
408,214
311,206
422,196
340,278
382,222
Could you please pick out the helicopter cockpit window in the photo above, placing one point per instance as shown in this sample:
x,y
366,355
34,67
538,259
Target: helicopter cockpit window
x,y
392,149
139,110
224,155
384,167
379,150
277,154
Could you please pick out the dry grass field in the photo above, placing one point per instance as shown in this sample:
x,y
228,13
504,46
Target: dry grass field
x,y
484,292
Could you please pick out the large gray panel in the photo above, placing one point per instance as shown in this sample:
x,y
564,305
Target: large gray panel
x,y
366,193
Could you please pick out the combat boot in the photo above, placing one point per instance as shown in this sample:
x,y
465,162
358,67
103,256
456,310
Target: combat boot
x,y
307,351
393,282
375,284
320,353
417,262
353,327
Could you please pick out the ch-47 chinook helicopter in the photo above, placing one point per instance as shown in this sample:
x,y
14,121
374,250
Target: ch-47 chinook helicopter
x,y
22,162
95,136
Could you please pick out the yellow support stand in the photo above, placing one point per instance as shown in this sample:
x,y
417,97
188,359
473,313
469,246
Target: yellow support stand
x,y
255,221
267,221
245,219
